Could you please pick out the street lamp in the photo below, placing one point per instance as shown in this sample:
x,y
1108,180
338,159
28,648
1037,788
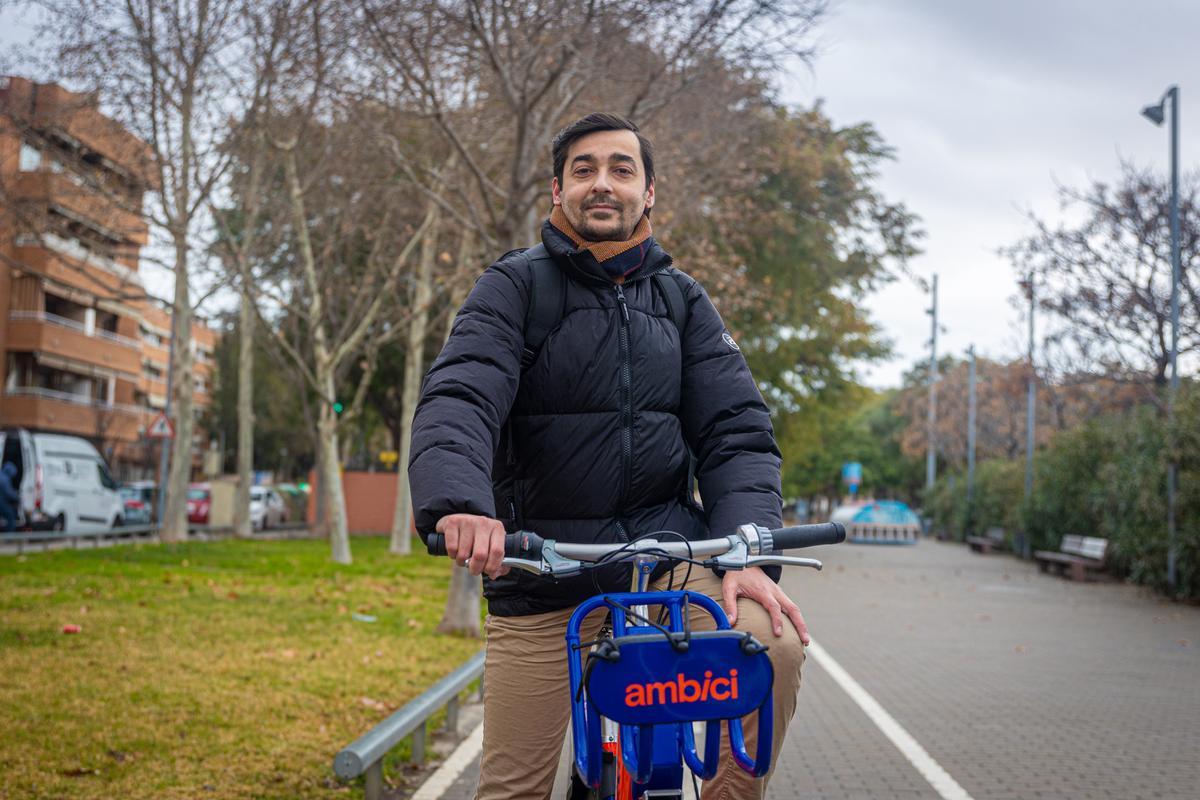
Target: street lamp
x,y
1157,114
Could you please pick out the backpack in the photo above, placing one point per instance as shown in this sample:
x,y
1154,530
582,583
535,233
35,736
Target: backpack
x,y
549,293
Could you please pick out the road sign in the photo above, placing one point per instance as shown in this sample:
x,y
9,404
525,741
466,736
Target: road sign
x,y
161,427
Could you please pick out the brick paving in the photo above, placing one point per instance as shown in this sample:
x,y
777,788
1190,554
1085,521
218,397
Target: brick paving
x,y
1020,685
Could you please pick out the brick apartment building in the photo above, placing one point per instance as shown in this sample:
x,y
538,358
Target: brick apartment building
x,y
83,349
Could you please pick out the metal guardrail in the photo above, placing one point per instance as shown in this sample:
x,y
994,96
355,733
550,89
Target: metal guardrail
x,y
22,539
365,755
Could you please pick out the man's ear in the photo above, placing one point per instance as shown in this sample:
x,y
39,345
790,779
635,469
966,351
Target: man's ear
x,y
650,195
555,191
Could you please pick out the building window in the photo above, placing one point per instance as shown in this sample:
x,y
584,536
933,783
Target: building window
x,y
31,158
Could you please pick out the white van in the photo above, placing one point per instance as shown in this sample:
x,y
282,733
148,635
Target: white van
x,y
63,482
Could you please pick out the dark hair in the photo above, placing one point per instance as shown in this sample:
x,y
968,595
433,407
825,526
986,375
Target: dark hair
x,y
599,121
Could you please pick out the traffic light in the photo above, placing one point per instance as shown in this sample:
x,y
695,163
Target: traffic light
x,y
338,407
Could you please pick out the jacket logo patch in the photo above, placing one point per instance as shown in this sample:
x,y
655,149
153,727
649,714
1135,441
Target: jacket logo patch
x,y
729,340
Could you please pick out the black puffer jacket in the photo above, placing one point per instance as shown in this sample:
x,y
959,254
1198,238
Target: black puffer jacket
x,y
588,444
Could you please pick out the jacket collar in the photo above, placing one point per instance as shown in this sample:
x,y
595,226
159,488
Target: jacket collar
x,y
581,264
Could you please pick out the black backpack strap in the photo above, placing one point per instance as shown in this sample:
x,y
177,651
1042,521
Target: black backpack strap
x,y
677,308
549,291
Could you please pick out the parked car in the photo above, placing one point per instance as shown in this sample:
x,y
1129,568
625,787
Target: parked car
x,y
147,492
63,482
137,509
199,502
267,508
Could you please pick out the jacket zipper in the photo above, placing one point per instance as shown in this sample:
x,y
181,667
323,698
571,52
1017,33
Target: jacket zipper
x,y
626,399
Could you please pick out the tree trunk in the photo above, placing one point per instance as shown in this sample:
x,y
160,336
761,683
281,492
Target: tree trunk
x,y
245,417
414,371
175,523
462,606
331,485
461,614
320,526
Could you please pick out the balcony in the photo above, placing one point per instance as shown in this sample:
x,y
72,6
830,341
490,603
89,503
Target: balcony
x,y
81,203
45,409
40,332
75,119
68,262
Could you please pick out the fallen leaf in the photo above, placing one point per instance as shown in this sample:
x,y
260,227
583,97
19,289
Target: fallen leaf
x,y
984,617
370,702
289,653
1021,649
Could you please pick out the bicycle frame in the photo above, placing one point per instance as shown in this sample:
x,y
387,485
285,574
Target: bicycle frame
x,y
625,683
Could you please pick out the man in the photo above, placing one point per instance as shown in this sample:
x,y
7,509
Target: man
x,y
589,441
10,501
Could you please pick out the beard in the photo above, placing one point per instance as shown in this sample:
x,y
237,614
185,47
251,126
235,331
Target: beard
x,y
617,228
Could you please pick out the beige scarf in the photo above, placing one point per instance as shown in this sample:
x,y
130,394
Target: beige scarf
x,y
602,251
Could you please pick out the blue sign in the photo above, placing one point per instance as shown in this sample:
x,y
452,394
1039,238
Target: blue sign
x,y
650,683
852,473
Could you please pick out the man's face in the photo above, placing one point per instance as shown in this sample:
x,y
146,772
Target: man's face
x,y
604,191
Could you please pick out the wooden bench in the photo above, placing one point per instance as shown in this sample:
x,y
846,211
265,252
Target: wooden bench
x,y
993,540
1079,554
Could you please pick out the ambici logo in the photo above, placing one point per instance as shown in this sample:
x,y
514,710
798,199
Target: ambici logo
x,y
683,690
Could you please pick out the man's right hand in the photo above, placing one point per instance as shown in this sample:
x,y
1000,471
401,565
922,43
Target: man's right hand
x,y
475,542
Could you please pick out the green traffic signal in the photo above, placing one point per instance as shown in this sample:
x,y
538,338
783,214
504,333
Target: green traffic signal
x,y
338,407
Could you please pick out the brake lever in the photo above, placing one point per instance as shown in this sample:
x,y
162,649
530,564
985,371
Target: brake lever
x,y
551,564
783,561
523,564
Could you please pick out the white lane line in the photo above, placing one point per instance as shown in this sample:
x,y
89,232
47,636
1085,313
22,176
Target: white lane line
x,y
932,771
445,776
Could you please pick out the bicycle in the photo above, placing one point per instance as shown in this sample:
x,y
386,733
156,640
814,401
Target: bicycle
x,y
645,682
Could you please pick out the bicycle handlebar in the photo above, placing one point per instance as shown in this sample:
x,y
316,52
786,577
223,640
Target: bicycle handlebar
x,y
798,536
522,544
529,546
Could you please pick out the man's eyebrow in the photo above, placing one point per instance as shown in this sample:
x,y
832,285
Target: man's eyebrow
x,y
588,158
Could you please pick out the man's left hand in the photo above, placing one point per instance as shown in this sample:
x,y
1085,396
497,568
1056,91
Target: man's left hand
x,y
754,584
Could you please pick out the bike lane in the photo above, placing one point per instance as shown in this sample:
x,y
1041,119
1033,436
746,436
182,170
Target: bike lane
x,y
1016,684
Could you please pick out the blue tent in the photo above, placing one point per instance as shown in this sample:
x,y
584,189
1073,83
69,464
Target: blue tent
x,y
880,521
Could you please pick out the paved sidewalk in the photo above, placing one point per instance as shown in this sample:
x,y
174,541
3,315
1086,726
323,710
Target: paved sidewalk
x,y
1019,685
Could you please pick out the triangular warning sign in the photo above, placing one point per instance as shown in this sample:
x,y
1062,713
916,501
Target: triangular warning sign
x,y
161,428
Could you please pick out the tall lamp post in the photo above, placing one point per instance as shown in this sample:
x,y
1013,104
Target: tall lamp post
x,y
931,444
1157,114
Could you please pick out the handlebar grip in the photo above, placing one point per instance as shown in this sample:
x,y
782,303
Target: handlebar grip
x,y
522,544
808,535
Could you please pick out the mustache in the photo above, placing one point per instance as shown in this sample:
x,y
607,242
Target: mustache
x,y
603,201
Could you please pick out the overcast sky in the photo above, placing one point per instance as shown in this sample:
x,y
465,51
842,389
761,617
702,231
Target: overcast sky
x,y
987,104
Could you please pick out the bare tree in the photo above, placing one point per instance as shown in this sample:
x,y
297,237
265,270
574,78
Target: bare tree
x,y
1106,279
166,70
499,79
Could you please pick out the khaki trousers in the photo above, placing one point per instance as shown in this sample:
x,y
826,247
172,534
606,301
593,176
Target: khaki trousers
x,y
527,697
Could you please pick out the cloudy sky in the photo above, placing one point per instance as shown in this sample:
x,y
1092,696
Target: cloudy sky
x,y
988,104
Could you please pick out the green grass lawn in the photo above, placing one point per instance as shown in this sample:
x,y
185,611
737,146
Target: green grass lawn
x,y
228,669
